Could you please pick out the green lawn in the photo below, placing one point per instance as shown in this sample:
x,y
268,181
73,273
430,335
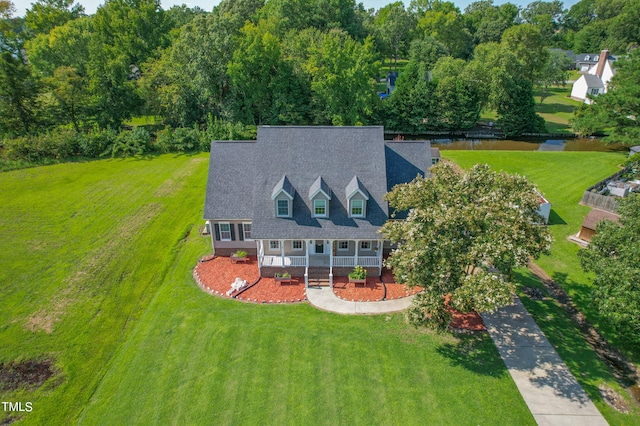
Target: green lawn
x,y
562,178
96,275
557,109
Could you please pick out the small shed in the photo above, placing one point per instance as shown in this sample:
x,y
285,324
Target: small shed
x,y
595,216
435,156
545,208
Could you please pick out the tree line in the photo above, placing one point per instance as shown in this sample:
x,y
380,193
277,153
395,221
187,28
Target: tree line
x,y
251,62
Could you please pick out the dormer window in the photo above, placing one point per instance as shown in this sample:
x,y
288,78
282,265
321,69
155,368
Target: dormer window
x,y
320,207
357,196
320,195
283,194
283,208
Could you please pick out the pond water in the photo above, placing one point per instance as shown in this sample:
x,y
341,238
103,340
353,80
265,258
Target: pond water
x,y
578,144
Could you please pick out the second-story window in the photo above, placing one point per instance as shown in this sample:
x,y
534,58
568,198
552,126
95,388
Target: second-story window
x,y
357,208
283,208
320,208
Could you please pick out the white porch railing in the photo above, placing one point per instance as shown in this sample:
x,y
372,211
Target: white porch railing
x,y
288,261
349,261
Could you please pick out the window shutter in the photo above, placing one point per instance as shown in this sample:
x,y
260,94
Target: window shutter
x,y
233,237
240,232
216,229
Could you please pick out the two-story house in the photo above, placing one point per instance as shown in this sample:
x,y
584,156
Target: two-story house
x,y
308,197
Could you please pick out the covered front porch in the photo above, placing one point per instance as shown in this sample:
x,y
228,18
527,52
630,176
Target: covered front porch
x,y
329,254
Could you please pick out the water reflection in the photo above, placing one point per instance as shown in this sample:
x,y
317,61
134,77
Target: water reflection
x,y
578,144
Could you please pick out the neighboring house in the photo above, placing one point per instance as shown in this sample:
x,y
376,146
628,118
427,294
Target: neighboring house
x,y
586,61
596,81
591,221
308,197
634,150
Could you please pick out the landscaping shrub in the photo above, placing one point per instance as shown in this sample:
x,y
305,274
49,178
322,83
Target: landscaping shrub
x,y
181,139
133,142
97,143
56,144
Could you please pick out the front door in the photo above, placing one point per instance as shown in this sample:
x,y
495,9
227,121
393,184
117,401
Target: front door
x,y
319,247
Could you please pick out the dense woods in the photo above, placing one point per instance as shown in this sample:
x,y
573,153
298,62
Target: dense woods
x,y
69,82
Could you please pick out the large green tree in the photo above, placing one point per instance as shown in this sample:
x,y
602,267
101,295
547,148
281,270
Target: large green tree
x,y
266,89
45,15
343,82
463,236
613,256
618,110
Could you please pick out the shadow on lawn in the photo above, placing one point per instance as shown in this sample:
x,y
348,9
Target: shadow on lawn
x,y
555,219
476,353
554,108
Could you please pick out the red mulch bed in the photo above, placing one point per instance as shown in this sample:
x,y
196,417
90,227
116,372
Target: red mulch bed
x,y
396,290
269,291
215,276
369,292
469,321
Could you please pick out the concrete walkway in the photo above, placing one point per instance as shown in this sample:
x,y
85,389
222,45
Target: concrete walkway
x,y
324,298
552,393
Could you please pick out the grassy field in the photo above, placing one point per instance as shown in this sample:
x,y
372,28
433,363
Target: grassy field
x,y
96,275
562,177
557,109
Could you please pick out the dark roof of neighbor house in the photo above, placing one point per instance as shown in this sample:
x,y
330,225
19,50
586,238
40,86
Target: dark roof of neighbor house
x,y
634,149
593,80
241,182
596,216
592,58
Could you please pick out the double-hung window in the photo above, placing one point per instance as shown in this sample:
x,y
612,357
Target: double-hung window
x,y
343,245
296,245
365,245
320,208
357,207
246,231
283,208
274,245
225,231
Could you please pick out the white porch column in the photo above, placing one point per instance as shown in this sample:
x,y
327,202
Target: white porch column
x,y
282,251
259,252
380,246
306,269
355,259
330,253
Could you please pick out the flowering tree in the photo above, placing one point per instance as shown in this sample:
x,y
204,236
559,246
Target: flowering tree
x,y
464,234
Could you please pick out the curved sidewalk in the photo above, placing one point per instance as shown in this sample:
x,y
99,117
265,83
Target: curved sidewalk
x,y
324,298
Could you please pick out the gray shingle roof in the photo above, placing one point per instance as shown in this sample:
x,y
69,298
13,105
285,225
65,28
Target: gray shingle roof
x,y
230,183
319,185
303,154
406,160
354,186
593,80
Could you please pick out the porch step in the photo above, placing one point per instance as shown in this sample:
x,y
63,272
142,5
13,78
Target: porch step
x,y
319,282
